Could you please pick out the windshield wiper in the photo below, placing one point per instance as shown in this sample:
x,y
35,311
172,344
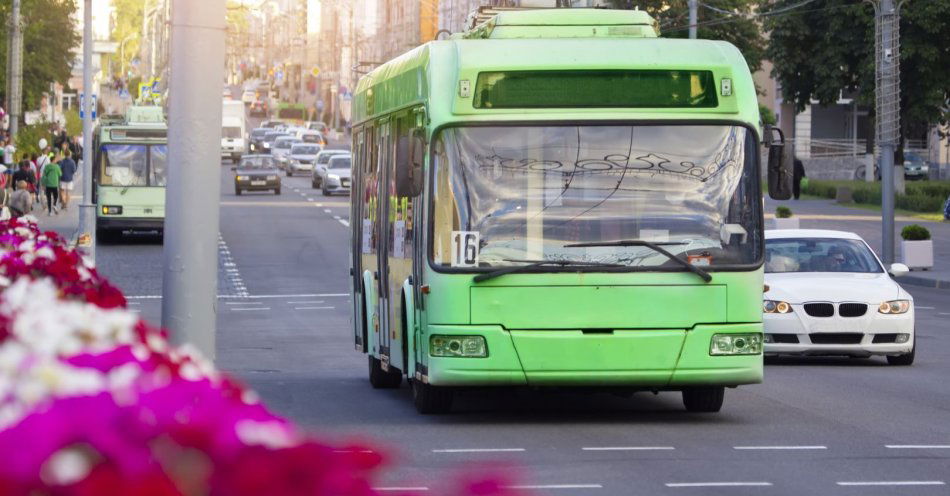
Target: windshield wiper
x,y
655,246
531,264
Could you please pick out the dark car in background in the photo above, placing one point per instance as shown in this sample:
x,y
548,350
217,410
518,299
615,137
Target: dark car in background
x,y
255,139
269,139
256,173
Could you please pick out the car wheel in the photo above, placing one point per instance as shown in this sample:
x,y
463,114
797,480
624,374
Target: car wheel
x,y
323,191
314,184
903,360
703,399
431,399
237,191
277,191
382,379
289,173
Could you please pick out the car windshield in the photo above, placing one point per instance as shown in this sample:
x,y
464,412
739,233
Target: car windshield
x,y
527,192
312,138
325,157
262,162
284,143
339,163
270,137
231,132
259,133
819,255
305,150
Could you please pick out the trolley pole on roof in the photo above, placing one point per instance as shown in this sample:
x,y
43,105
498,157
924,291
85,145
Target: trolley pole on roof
x,y
693,7
189,291
887,106
86,240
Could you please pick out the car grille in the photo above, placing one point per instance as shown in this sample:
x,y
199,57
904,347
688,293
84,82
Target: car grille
x,y
852,309
820,309
836,338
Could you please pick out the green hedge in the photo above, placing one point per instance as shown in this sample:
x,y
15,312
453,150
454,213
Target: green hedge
x,y
921,196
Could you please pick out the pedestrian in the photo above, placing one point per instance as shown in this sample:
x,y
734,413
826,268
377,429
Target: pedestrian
x,y
798,173
68,167
51,176
20,202
8,152
25,176
41,161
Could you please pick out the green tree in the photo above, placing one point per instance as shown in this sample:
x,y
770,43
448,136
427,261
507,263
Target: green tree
x,y
738,26
127,31
825,47
49,41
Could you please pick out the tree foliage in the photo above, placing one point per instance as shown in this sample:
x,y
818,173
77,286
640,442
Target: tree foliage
x,y
49,42
827,46
737,28
127,31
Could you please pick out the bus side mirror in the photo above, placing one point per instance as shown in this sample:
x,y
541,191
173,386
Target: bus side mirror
x,y
779,175
410,151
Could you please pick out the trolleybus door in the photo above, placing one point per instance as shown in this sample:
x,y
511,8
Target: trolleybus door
x,y
356,242
384,157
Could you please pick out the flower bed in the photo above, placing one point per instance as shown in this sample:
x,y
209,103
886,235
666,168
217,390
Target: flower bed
x,y
94,401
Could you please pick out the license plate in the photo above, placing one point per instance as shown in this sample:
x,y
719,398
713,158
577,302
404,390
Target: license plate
x,y
258,183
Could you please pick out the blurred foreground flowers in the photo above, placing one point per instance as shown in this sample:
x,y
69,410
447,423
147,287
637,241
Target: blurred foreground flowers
x,y
94,401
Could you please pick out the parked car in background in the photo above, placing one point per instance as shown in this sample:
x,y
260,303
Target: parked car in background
x,y
320,127
301,157
281,148
255,139
915,167
337,178
829,294
320,165
256,173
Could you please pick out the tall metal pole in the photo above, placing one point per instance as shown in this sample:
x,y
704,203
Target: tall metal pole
x,y
87,210
16,69
189,293
693,8
887,96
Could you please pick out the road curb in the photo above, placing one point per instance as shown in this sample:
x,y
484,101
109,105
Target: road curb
x,y
924,281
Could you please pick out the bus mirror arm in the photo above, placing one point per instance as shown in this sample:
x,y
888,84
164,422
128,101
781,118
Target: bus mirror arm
x,y
779,175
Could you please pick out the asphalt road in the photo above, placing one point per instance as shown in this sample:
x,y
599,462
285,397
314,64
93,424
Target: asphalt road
x,y
824,426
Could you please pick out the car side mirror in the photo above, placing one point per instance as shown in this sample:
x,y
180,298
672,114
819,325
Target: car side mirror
x,y
898,270
779,175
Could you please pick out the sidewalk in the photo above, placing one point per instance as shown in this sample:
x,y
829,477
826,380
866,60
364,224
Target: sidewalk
x,y
64,224
826,214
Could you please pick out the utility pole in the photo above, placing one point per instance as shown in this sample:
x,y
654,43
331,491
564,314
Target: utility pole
x,y
693,8
15,92
86,242
887,103
189,292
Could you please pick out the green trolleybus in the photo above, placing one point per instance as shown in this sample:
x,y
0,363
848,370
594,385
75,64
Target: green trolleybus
x,y
129,170
560,198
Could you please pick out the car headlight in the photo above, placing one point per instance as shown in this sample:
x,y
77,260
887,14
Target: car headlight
x,y
458,346
266,145
773,306
736,344
894,307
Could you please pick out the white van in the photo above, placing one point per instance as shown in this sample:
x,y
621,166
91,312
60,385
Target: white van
x,y
233,132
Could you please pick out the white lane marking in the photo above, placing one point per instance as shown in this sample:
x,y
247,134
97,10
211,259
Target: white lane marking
x,y
344,222
304,302
917,446
242,303
627,448
313,308
556,486
309,199
478,450
304,295
250,309
327,210
943,313
924,308
892,483
337,217
407,488
134,303
779,447
718,484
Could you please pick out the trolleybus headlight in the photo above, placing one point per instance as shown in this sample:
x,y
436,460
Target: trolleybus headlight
x,y
772,306
894,307
458,346
736,344
111,210
242,178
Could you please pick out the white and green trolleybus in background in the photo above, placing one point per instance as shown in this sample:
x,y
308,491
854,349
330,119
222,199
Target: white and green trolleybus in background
x,y
560,198
129,171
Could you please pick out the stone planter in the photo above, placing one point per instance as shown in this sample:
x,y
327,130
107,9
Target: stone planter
x,y
918,254
789,223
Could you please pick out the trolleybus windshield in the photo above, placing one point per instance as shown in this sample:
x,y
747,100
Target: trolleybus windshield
x,y
133,165
527,193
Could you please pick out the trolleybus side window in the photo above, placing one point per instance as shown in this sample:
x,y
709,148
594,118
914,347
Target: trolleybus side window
x,y
124,165
158,162
369,192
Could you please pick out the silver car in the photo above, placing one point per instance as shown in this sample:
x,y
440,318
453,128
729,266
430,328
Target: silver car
x,y
301,157
281,149
320,166
337,179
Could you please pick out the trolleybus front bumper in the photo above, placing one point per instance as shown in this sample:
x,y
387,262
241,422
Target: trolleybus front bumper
x,y
126,223
648,359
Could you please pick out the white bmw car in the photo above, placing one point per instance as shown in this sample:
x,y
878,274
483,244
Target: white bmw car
x,y
827,293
